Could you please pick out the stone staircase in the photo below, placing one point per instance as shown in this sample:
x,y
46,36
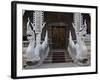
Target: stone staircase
x,y
58,57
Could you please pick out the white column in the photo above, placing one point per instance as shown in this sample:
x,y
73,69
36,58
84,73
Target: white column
x,y
38,23
38,20
78,21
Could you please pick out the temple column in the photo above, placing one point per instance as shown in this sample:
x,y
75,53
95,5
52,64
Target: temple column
x,y
38,24
78,21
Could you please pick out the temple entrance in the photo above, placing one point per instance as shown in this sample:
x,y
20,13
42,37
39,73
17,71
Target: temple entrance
x,y
57,37
57,45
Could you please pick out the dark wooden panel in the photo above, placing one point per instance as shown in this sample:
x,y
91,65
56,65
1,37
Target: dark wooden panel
x,y
57,37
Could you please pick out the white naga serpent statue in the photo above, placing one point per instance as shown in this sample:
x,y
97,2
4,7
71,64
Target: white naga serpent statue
x,y
79,51
36,52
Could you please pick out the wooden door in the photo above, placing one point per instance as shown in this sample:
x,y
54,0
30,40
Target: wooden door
x,y
57,37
